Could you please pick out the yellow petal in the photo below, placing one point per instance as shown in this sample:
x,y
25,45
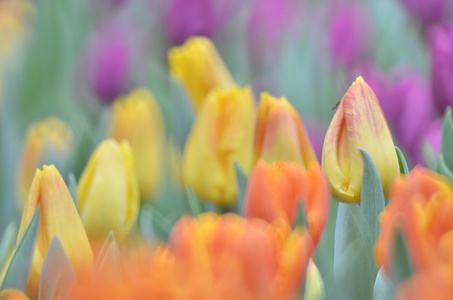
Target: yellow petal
x,y
199,68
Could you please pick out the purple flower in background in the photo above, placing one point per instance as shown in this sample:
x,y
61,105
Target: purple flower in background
x,y
433,135
268,24
187,18
349,34
427,11
415,112
109,61
442,65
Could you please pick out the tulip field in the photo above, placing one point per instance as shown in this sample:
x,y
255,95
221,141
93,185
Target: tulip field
x,y
226,149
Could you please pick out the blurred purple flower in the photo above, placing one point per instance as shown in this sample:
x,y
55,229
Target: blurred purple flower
x,y
427,11
433,135
267,25
109,61
316,131
349,34
415,112
441,38
187,18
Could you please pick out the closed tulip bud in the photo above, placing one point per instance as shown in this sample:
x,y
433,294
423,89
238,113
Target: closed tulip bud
x,y
199,68
280,133
107,192
137,118
358,123
58,217
273,192
50,141
221,135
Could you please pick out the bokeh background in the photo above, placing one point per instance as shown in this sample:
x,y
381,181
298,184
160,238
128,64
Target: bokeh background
x,y
72,59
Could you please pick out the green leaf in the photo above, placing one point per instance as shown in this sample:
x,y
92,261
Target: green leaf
x,y
160,224
57,275
146,223
194,203
383,287
429,156
72,187
20,266
401,266
402,161
182,112
352,254
443,169
447,138
8,242
241,179
372,197
300,218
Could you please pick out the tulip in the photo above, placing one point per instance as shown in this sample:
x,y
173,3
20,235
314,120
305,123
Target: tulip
x,y
441,67
280,133
137,118
58,217
181,18
349,35
107,192
273,192
221,135
421,205
242,258
214,257
314,288
12,294
49,141
358,123
426,11
109,60
199,69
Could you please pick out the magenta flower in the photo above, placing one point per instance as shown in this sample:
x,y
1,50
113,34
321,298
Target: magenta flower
x,y
109,61
187,18
349,34
442,65
415,112
427,11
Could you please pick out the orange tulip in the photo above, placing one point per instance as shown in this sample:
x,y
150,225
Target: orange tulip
x,y
273,191
421,205
58,217
280,133
216,257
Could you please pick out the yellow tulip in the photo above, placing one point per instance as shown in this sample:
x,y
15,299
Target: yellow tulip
x,y
137,118
358,123
221,134
107,192
199,68
45,142
280,133
58,217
